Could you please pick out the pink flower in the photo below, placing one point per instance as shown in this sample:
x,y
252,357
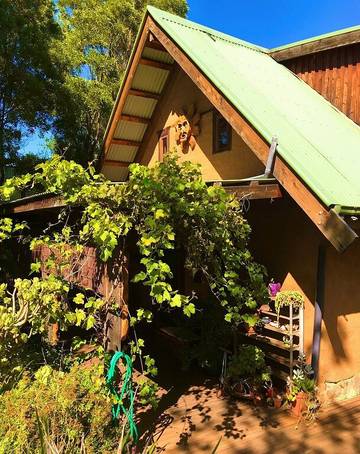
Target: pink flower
x,y
274,288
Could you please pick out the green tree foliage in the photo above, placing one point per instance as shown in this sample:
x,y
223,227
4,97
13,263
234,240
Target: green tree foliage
x,y
24,163
29,72
169,207
97,40
61,65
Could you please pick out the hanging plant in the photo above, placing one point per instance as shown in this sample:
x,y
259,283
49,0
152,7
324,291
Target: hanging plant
x,y
287,298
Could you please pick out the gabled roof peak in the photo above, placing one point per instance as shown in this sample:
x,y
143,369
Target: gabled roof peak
x,y
317,156
158,14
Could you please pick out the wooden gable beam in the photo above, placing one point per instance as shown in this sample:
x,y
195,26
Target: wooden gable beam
x,y
144,94
334,228
134,119
155,64
114,163
318,45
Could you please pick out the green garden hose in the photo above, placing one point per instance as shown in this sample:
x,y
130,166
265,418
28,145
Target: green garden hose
x,y
126,392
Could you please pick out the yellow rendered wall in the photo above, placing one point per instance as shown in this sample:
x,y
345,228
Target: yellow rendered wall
x,y
287,242
239,162
340,347
284,239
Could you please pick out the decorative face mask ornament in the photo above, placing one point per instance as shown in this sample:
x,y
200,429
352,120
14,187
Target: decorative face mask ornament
x,y
187,128
183,130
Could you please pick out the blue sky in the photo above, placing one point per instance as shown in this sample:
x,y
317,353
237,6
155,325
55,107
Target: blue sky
x,y
272,23
268,23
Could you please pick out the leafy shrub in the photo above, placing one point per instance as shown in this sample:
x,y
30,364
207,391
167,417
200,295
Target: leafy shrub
x,y
70,412
249,362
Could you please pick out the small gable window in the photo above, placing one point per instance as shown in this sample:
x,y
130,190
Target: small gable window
x,y
163,143
222,133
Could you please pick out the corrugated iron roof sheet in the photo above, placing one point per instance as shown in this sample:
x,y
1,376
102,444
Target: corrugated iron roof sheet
x,y
114,173
140,107
343,31
316,140
129,130
121,153
157,55
149,79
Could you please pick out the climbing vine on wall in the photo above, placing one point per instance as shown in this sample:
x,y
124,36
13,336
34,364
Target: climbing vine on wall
x,y
168,207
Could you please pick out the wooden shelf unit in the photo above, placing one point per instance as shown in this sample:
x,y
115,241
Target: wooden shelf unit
x,y
281,357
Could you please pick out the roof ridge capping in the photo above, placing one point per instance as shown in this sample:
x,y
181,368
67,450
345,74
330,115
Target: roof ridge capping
x,y
158,15
337,38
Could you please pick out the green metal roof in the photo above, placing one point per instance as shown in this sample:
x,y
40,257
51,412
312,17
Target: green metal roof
x,y
343,31
317,141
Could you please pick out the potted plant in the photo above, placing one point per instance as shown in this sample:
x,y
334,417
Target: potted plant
x,y
301,387
287,298
247,373
249,322
286,341
259,327
274,398
274,288
277,400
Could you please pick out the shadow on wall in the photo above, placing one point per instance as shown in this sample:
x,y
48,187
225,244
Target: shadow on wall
x,y
286,242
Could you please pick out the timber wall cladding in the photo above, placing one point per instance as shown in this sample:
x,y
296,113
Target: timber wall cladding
x,y
335,74
107,280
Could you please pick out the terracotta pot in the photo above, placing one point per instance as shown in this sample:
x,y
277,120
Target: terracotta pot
x,y
277,401
241,391
299,405
250,330
257,400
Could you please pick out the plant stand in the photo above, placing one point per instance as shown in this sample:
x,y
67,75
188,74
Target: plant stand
x,y
281,356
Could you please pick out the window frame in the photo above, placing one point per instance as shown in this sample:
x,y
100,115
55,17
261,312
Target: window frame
x,y
163,143
217,147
